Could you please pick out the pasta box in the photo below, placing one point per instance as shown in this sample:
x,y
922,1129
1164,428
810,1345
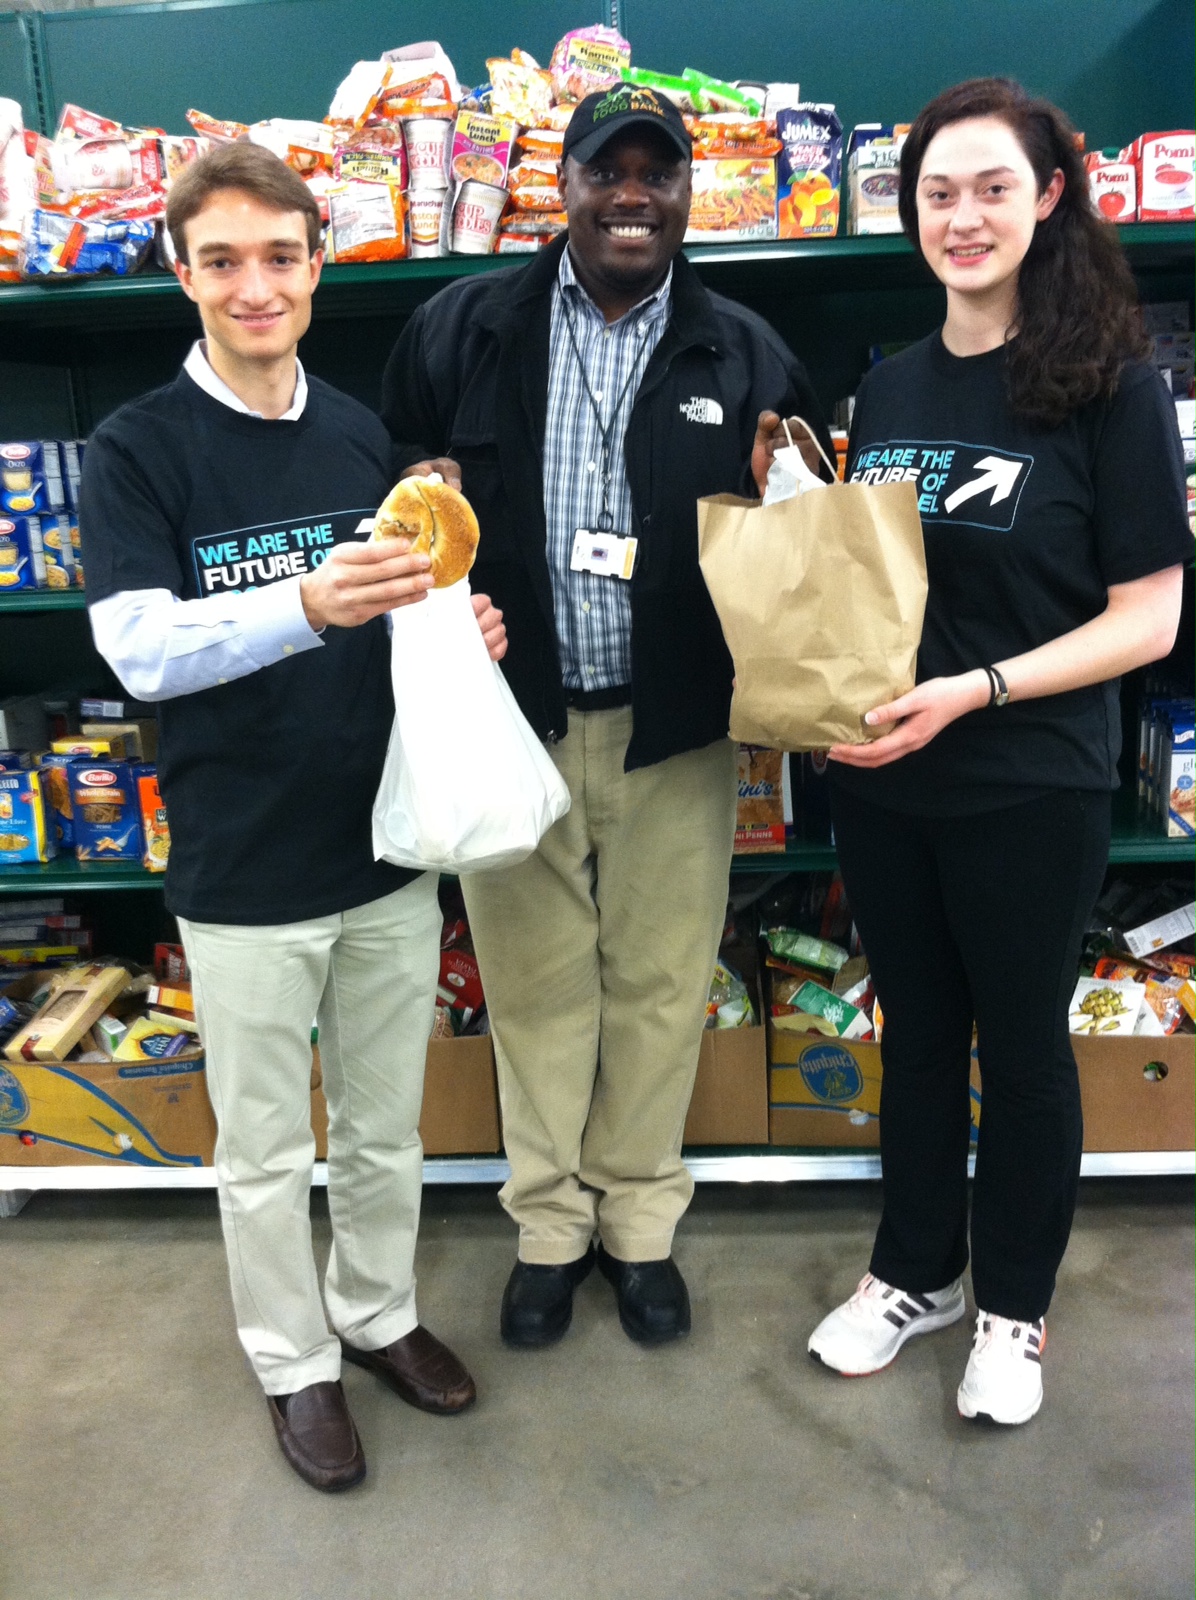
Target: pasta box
x,y
22,559
25,834
107,811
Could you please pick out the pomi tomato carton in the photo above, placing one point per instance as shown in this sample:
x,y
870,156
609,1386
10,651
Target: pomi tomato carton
x,y
1113,181
1166,191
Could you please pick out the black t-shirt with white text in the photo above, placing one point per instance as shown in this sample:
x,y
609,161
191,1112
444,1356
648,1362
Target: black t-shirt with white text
x,y
1025,530
268,779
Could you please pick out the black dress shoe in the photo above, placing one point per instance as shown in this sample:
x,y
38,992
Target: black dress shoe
x,y
652,1297
537,1304
317,1436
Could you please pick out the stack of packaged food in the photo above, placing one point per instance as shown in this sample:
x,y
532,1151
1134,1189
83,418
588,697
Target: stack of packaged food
x,y
39,514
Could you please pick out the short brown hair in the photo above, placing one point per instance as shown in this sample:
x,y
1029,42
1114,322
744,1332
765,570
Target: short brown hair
x,y
250,168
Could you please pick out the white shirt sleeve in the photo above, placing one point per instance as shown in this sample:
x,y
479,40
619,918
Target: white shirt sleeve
x,y
160,646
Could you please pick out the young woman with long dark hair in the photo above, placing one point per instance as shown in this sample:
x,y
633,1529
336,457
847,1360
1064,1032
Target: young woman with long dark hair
x,y
973,835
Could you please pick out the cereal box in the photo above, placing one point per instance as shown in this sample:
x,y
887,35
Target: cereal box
x,y
481,148
22,560
873,177
24,834
107,812
155,830
809,171
734,197
760,815
1113,183
1165,176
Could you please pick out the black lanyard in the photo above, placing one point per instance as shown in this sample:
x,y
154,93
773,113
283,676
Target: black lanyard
x,y
606,519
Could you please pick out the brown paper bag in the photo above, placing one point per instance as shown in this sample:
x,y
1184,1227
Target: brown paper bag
x,y
821,600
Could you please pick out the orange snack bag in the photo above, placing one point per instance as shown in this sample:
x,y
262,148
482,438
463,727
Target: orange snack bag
x,y
366,222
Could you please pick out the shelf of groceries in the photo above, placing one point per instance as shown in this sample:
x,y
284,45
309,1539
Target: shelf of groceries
x,y
874,260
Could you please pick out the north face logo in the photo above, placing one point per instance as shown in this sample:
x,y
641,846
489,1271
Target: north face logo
x,y
700,410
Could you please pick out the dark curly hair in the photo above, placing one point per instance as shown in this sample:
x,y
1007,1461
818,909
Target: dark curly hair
x,y
1078,320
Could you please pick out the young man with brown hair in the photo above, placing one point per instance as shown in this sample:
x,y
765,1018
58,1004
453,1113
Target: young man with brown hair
x,y
227,580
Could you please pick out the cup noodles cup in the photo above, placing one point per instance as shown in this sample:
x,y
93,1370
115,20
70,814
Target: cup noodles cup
x,y
1113,181
1165,184
427,151
474,224
425,209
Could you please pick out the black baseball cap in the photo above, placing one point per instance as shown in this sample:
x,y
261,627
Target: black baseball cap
x,y
625,105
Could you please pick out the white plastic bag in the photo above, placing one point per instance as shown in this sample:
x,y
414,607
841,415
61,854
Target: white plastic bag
x,y
466,785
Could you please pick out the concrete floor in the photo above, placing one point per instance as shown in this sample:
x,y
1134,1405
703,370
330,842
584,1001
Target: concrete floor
x,y
137,1461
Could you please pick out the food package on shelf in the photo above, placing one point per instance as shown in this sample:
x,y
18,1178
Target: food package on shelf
x,y
791,947
712,95
809,171
18,190
213,128
306,147
733,198
1113,184
375,154
155,829
533,186
107,810
470,221
366,222
874,177
413,63
1165,176
26,833
520,88
732,135
1105,1006
481,149
667,85
586,60
54,245
760,813
358,94
22,557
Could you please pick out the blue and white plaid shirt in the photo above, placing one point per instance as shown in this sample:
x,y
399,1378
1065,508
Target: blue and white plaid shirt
x,y
593,613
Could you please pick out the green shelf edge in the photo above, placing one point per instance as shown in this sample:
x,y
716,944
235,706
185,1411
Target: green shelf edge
x,y
35,600
64,297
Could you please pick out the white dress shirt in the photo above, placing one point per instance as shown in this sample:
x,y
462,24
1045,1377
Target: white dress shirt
x,y
160,646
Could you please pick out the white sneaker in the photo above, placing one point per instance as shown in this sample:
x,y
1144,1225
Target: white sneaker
x,y
866,1332
1003,1381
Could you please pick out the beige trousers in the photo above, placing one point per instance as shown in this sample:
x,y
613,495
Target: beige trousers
x,y
596,956
369,977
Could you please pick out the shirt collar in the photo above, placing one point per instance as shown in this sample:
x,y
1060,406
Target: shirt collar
x,y
647,310
199,369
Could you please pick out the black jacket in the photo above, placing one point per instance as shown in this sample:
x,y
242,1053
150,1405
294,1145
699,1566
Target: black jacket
x,y
468,378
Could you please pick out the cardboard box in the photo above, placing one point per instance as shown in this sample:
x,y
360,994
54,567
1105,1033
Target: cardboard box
x,y
730,1098
1138,1092
81,999
460,1110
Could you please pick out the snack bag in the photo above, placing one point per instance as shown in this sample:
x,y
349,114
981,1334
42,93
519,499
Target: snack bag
x,y
306,147
1113,184
728,1004
712,95
533,186
366,222
808,171
520,88
732,135
680,91
54,245
212,128
76,123
378,154
787,944
586,60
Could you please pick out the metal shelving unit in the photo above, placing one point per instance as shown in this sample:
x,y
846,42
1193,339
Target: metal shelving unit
x,y
63,311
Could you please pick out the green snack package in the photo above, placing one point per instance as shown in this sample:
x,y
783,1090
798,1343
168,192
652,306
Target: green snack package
x,y
848,1021
789,945
678,90
713,95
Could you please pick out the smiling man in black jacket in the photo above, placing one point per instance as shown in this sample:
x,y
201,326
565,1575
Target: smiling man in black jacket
x,y
585,402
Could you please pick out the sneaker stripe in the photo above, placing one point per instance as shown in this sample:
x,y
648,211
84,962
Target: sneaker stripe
x,y
910,1310
924,1302
1032,1355
896,1318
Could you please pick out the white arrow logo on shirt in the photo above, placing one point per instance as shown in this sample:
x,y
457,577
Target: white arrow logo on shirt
x,y
996,474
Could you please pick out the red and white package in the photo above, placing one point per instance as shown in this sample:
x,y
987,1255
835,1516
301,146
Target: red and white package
x,y
75,123
1165,176
1113,180
460,983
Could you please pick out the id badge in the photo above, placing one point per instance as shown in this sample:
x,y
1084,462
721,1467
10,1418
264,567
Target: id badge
x,y
610,555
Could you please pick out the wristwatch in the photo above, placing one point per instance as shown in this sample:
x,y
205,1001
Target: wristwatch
x,y
998,688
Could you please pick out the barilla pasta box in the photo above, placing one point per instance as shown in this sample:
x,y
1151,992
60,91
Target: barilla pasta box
x,y
22,560
107,812
1113,184
1177,776
30,477
809,171
25,834
155,831
57,790
874,177
1165,176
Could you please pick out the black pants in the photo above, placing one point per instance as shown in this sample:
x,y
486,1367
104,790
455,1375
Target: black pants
x,y
976,918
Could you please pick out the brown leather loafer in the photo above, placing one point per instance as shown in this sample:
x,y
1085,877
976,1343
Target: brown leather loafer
x,y
420,1370
317,1436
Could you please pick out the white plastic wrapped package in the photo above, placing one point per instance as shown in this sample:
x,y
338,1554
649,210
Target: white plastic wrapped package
x,y
467,785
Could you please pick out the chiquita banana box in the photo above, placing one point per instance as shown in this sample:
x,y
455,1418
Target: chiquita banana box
x,y
130,1113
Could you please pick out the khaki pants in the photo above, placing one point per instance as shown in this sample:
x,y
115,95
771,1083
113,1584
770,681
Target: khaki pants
x,y
596,955
369,977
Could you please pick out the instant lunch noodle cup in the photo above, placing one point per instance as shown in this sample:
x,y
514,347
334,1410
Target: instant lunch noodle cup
x,y
428,140
481,149
474,225
425,210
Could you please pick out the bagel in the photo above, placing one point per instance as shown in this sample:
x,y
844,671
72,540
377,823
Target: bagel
x,y
438,520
